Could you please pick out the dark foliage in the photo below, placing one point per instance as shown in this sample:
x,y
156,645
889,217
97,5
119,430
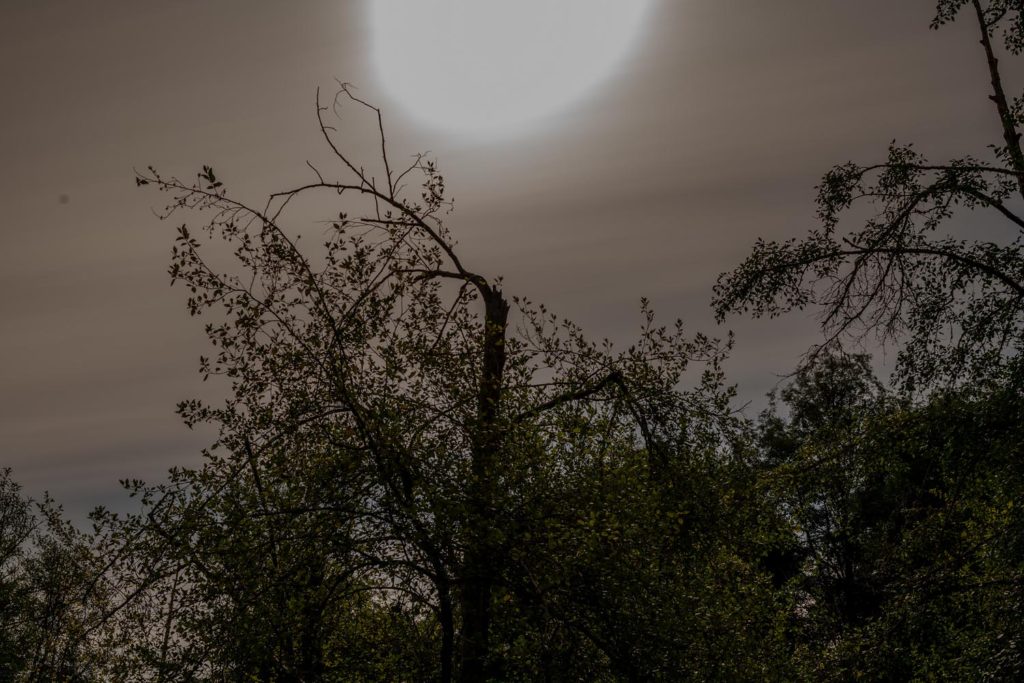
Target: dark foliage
x,y
418,478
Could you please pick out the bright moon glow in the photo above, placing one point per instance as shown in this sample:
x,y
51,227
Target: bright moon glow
x,y
495,67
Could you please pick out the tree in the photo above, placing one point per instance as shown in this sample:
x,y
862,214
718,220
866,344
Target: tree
x,y
381,388
48,595
908,273
664,576
256,575
904,558
16,526
910,564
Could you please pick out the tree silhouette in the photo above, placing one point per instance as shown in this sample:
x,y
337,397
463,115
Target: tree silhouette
x,y
391,359
908,273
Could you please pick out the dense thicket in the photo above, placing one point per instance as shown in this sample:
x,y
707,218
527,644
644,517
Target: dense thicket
x,y
419,478
906,561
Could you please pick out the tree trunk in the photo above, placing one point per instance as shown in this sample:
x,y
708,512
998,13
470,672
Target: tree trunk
x,y
1010,134
479,560
447,620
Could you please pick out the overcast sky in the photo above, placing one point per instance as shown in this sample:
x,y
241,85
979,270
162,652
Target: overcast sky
x,y
712,133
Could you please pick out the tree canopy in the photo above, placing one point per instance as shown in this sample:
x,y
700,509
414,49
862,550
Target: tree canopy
x,y
418,476
915,271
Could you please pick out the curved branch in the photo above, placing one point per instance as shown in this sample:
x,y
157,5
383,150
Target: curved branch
x,y
1017,287
613,378
995,204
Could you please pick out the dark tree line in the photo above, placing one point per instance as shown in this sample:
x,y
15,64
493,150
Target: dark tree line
x,y
420,477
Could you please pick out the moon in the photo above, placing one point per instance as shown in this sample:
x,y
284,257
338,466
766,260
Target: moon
x,y
494,68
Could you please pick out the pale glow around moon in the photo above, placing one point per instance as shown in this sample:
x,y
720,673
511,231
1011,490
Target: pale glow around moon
x,y
498,67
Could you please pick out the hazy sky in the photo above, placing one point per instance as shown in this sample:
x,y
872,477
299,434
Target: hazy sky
x,y
712,133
